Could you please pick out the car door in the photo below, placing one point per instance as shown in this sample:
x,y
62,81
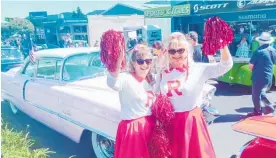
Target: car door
x,y
15,85
40,93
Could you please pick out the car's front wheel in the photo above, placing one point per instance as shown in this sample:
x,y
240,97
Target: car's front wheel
x,y
102,146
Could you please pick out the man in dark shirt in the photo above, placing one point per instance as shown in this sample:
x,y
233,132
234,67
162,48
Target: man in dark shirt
x,y
198,56
261,65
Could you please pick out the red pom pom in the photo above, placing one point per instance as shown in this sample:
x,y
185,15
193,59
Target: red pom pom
x,y
159,144
163,110
217,34
112,42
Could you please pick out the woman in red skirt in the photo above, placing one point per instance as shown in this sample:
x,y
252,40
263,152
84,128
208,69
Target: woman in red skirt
x,y
183,82
136,97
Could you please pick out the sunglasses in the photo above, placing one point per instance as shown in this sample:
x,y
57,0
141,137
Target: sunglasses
x,y
179,51
142,61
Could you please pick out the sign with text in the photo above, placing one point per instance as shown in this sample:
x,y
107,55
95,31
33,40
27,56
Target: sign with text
x,y
154,35
231,6
256,4
214,7
166,12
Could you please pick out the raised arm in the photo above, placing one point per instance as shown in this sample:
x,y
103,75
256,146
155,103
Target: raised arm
x,y
215,70
115,80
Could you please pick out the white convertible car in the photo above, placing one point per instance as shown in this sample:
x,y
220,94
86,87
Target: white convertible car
x,y
66,90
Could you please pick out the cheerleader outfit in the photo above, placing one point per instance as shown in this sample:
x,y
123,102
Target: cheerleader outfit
x,y
136,98
188,132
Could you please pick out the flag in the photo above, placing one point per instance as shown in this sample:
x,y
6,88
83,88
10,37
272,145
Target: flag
x,y
32,55
31,51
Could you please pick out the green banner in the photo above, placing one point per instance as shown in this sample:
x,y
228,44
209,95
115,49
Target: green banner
x,y
166,12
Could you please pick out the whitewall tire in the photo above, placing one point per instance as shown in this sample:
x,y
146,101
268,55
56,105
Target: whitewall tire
x,y
103,147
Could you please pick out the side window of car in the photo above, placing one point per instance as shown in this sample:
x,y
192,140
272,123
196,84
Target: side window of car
x,y
29,70
47,69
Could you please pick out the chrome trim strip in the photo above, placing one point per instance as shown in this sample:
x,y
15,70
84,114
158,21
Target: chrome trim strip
x,y
72,121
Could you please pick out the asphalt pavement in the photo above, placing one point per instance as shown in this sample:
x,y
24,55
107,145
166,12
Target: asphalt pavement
x,y
233,102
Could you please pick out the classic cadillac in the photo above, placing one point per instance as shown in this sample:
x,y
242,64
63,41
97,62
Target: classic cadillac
x,y
66,90
264,145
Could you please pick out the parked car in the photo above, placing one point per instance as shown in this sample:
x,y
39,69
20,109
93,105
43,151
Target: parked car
x,y
80,43
241,74
264,145
66,90
10,57
45,46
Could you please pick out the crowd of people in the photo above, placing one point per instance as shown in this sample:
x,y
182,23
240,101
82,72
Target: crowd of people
x,y
183,71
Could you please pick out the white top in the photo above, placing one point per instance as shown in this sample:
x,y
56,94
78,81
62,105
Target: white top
x,y
65,52
136,97
185,94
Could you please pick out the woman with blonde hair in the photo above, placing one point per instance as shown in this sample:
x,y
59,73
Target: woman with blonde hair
x,y
136,97
182,82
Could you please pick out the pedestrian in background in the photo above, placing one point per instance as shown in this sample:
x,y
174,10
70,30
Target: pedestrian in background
x,y
24,46
198,56
243,48
261,65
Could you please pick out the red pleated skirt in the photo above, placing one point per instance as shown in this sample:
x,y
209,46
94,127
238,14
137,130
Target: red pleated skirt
x,y
190,137
133,136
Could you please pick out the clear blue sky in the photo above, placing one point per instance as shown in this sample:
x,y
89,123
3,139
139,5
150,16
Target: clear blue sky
x,y
21,8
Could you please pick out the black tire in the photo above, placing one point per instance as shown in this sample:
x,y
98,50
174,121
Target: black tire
x,y
85,149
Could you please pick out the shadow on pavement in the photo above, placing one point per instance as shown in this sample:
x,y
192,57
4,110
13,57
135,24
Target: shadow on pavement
x,y
244,110
229,118
265,110
225,89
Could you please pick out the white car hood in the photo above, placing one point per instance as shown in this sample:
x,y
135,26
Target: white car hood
x,y
12,71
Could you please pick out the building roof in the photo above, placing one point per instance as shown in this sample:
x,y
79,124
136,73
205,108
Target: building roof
x,y
64,52
96,12
183,2
52,17
164,2
122,9
155,4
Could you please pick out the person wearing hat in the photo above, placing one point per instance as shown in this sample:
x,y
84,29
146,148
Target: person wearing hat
x,y
261,65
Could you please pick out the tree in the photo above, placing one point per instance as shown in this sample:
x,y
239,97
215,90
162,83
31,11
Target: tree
x,y
17,26
80,13
74,15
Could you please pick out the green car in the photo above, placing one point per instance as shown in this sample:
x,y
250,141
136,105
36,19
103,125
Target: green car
x,y
241,74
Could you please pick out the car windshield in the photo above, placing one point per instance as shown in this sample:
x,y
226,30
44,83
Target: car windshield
x,y
10,53
83,66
